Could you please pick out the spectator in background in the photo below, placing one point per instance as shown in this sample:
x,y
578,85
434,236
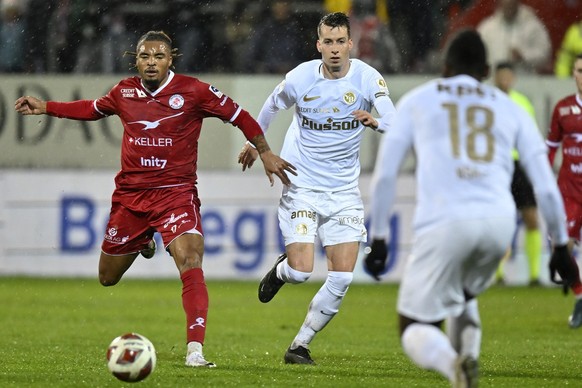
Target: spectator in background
x,y
189,33
412,23
515,34
571,47
36,35
275,45
89,22
373,40
12,35
521,187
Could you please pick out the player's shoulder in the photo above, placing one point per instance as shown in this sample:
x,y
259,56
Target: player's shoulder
x,y
568,100
305,70
128,82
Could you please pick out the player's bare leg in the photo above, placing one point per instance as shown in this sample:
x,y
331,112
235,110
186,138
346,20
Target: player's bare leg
x,y
187,251
294,266
112,268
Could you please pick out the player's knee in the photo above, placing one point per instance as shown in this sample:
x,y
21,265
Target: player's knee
x,y
293,276
338,283
107,280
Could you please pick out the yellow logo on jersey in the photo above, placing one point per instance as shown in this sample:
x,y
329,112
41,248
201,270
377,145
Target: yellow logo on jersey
x,y
382,83
349,98
307,99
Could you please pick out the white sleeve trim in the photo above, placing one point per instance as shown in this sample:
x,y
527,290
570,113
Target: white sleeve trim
x,y
235,115
97,109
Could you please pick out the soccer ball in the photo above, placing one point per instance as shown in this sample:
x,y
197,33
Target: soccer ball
x,y
131,357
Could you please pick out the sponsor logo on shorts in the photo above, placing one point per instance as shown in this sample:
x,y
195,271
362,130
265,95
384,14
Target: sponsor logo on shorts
x,y
351,220
111,237
173,220
301,229
304,214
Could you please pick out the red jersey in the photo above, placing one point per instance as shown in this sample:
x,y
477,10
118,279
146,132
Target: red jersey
x,y
566,129
161,128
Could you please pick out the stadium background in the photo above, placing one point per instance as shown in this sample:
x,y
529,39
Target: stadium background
x,y
56,178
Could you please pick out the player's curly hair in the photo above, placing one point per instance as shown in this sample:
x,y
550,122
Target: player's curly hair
x,y
333,20
150,36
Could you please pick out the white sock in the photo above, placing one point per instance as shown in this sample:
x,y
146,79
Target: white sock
x,y
465,330
323,307
194,347
428,347
290,275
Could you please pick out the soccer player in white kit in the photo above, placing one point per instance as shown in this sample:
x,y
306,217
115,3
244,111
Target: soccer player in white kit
x,y
463,133
333,98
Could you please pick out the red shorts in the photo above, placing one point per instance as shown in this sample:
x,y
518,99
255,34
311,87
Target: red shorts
x,y
573,216
137,214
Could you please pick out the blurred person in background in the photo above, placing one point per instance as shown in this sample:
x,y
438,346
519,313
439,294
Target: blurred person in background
x,y
570,48
372,37
12,35
566,131
521,187
275,45
156,189
333,97
514,34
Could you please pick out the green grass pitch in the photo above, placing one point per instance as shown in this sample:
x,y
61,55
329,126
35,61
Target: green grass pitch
x,y
55,332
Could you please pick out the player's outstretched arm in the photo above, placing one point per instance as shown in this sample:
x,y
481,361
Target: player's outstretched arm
x,y
273,164
28,105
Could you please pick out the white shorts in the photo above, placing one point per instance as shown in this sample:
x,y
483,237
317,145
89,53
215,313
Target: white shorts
x,y
336,217
449,259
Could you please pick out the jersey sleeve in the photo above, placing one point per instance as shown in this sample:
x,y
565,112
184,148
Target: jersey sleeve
x,y
378,94
393,149
281,98
76,110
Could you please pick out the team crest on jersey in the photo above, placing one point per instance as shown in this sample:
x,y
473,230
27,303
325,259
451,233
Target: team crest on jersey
x,y
280,87
176,101
382,83
216,92
349,98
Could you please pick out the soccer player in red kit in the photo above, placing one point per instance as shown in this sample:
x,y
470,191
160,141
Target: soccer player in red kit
x,y
162,114
566,129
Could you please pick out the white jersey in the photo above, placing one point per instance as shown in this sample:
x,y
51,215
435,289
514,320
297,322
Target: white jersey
x,y
323,140
463,133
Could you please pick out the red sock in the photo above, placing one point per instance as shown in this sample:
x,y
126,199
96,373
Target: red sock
x,y
577,286
195,302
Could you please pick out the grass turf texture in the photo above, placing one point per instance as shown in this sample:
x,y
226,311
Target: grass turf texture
x,y
55,332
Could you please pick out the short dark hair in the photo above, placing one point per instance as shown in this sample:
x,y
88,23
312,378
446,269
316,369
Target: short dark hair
x,y
333,20
155,36
466,54
504,66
